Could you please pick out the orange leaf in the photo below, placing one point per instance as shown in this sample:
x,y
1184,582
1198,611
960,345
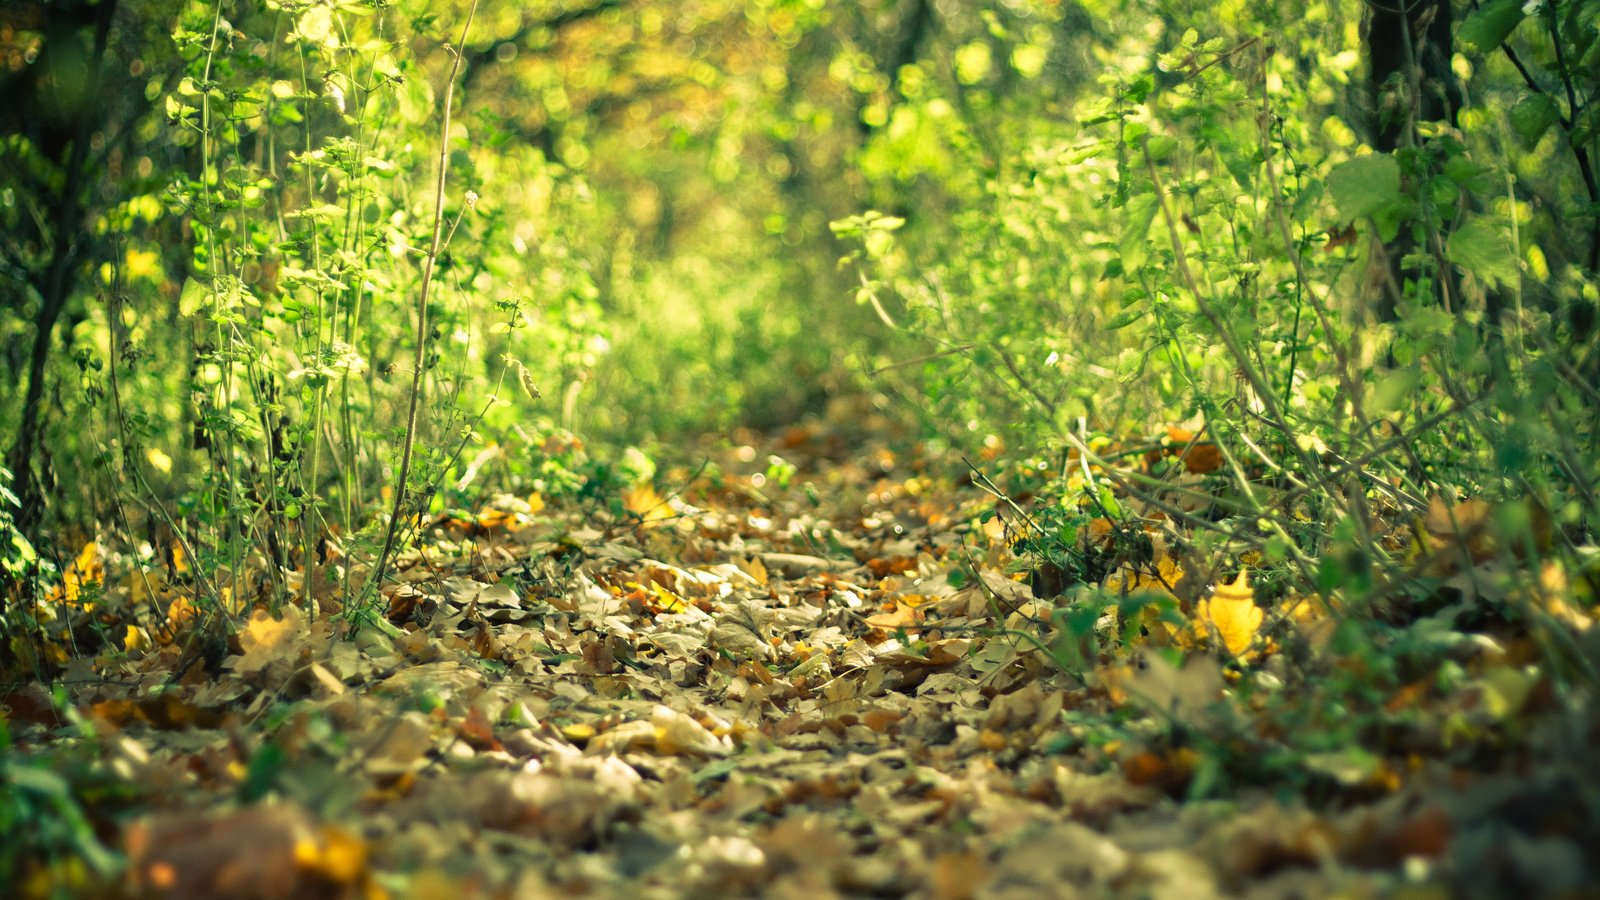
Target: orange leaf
x,y
904,615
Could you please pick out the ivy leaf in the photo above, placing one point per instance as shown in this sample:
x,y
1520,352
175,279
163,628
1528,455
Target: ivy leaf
x,y
1533,116
1482,247
1489,26
1364,185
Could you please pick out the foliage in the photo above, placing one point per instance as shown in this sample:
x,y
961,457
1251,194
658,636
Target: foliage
x,y
18,558
1187,250
52,848
1260,339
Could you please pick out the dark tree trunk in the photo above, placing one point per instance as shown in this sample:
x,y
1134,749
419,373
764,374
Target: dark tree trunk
x,y
1408,45
66,137
913,31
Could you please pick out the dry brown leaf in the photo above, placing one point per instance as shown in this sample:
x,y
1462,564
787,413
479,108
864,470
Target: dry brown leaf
x,y
1463,525
260,853
265,638
957,876
903,615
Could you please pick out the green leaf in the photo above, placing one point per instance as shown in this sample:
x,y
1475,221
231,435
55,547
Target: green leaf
x,y
1482,247
1125,318
316,27
1395,390
1350,766
39,781
715,771
193,298
1489,26
262,774
1364,185
417,103
1136,219
1161,146
1533,116
1584,125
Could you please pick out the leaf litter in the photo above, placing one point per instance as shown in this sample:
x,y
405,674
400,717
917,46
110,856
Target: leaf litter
x,y
866,687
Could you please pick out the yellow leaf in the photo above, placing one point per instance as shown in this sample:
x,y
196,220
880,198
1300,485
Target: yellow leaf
x,y
335,854
668,601
643,501
578,733
904,615
88,568
1231,613
753,567
1160,579
159,461
264,637
142,265
180,615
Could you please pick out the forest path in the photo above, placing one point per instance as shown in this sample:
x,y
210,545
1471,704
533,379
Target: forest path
x,y
817,670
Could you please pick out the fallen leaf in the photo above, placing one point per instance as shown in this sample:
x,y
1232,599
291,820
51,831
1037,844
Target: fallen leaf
x,y
189,856
643,501
1231,613
903,615
263,639
88,568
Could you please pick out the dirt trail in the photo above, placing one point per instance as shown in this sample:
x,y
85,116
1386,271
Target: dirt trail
x,y
776,683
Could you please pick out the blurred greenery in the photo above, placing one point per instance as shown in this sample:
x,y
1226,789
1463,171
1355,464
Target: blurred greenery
x,y
1352,251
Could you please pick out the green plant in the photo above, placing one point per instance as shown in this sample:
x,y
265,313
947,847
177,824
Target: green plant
x,y
1183,258
18,559
299,128
52,848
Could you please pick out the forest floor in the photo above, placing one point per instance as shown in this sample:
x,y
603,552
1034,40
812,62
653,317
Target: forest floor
x,y
831,681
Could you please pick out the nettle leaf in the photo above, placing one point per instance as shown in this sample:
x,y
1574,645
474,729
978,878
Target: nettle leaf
x,y
416,100
1533,116
1389,219
1482,247
1489,26
194,297
1364,185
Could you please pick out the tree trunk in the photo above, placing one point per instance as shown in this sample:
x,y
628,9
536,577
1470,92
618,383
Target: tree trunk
x,y
56,283
1409,45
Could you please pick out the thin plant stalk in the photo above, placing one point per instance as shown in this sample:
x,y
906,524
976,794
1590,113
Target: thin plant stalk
x,y
403,476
